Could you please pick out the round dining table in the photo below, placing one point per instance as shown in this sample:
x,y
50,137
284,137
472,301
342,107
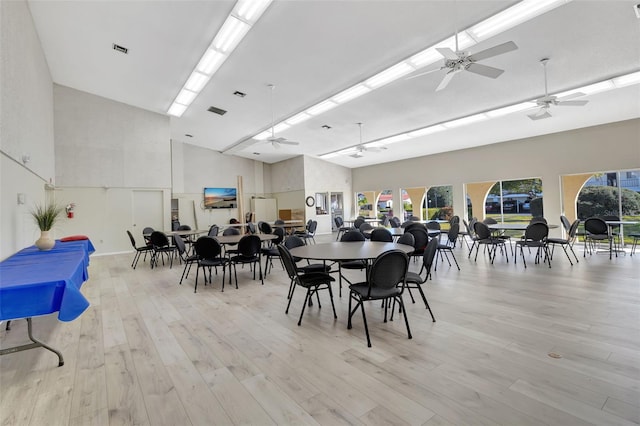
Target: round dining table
x,y
234,239
352,250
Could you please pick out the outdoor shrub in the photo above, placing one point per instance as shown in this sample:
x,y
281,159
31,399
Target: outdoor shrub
x,y
599,200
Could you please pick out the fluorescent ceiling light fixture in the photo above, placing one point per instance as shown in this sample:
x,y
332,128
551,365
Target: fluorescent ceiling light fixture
x,y
627,80
515,15
280,127
426,131
509,109
426,57
196,82
394,139
321,107
235,27
251,10
298,118
390,74
177,109
263,135
232,31
210,62
465,120
464,41
351,93
601,86
185,97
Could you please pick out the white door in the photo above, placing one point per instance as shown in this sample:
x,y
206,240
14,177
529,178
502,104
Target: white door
x,y
148,210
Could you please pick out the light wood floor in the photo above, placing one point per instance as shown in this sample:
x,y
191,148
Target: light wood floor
x,y
149,351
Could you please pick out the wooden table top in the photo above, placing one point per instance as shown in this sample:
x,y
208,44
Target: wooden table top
x,y
234,239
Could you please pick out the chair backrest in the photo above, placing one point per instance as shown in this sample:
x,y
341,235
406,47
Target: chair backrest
x,y
338,221
407,223
537,231
133,240
248,217
412,217
179,242
420,237
359,221
184,228
433,225
289,262
207,248
454,219
489,221
388,270
360,217
385,221
231,231
394,222
213,231
175,224
365,227
471,227
353,235
148,230
293,241
279,222
265,228
158,239
381,234
454,230
538,219
251,227
414,225
565,222
279,233
596,226
249,245
611,217
233,221
312,227
482,230
573,229
429,255
407,238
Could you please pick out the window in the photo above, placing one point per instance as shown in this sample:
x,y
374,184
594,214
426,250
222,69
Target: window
x,y
515,200
439,203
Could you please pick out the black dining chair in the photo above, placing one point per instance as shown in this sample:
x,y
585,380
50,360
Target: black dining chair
x,y
209,255
595,231
382,235
351,236
271,250
415,280
312,282
447,247
566,242
386,280
248,252
485,238
139,250
161,249
535,236
185,257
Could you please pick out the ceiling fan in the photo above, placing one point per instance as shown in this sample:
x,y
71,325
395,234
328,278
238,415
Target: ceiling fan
x,y
458,61
547,100
276,142
361,149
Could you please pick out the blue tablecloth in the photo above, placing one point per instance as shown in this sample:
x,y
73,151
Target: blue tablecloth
x,y
34,282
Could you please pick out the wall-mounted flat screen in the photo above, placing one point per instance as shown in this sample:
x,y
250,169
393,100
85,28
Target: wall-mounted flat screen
x,y
220,198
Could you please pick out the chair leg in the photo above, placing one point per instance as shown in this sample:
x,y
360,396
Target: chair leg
x,y
406,320
366,328
304,305
335,316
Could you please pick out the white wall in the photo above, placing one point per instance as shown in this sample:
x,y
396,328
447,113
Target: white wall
x,y
606,147
195,168
324,177
26,125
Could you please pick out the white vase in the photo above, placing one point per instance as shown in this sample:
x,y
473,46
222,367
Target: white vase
x,y
45,242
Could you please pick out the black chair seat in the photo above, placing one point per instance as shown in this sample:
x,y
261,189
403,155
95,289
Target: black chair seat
x,y
376,293
312,279
353,264
414,278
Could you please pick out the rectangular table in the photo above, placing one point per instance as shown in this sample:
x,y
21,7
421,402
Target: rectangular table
x,y
34,282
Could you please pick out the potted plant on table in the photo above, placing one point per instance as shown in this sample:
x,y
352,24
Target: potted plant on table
x,y
46,217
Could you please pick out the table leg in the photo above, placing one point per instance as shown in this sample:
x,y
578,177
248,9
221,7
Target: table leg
x,y
35,344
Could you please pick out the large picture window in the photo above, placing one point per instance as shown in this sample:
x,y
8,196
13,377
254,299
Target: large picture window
x,y
515,200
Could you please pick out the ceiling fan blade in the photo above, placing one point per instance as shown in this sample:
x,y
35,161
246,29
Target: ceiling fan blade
x,y
447,53
422,73
494,51
484,70
286,142
542,113
357,155
445,81
275,144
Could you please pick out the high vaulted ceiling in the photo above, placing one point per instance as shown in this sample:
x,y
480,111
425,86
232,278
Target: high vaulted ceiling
x,y
313,49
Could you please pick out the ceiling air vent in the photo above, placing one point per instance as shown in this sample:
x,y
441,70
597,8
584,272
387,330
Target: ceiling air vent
x,y
215,110
120,49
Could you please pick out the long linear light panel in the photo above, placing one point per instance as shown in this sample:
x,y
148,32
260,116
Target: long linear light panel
x,y
601,86
243,16
496,24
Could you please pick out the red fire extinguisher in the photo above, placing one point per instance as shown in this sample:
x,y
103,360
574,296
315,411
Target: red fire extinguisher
x,y
69,210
